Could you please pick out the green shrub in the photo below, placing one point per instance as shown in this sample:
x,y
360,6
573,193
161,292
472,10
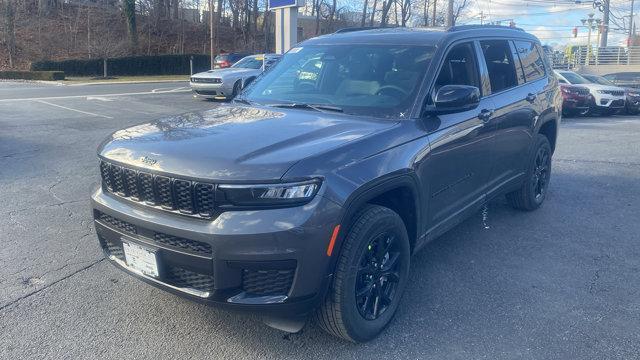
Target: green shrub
x,y
32,75
130,65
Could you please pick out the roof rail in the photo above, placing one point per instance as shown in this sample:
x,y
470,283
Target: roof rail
x,y
362,28
479,27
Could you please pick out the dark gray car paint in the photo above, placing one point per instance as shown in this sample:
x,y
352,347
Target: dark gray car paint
x,y
451,164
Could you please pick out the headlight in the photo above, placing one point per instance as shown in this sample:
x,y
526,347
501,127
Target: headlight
x,y
601,91
269,195
566,90
634,94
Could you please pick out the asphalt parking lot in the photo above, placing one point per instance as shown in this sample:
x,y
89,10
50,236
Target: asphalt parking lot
x,y
559,283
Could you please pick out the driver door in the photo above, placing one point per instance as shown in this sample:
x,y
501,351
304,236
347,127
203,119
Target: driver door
x,y
457,170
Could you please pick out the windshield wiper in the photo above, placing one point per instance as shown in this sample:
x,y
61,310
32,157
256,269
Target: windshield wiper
x,y
316,107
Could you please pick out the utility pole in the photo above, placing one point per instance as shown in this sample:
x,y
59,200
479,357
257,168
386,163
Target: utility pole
x,y
211,44
450,14
481,17
605,23
631,25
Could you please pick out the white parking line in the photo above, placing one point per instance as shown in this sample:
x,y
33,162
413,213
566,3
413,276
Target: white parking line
x,y
76,110
177,90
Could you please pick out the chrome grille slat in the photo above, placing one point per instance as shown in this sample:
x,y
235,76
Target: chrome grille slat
x,y
171,194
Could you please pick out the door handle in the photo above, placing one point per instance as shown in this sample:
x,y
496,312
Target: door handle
x,y
531,97
485,115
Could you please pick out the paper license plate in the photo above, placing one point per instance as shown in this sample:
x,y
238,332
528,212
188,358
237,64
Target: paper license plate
x,y
140,258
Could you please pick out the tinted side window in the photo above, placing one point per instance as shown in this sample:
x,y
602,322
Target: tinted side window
x,y
531,60
502,70
459,67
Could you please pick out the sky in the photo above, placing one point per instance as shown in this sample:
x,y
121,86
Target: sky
x,y
552,21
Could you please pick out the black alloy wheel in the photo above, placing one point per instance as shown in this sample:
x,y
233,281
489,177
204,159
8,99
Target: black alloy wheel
x,y
540,180
378,276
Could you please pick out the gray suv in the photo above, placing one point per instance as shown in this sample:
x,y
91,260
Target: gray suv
x,y
308,194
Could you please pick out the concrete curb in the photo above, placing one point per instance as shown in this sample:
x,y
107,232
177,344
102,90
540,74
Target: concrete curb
x,y
122,82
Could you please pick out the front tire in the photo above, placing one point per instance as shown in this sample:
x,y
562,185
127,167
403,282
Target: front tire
x,y
534,189
370,276
236,89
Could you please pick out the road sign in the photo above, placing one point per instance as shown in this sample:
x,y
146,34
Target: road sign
x,y
280,4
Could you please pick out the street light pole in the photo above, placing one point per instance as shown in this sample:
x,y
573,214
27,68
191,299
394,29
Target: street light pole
x,y
211,37
589,23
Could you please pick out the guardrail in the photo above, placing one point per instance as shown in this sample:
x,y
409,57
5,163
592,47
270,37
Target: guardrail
x,y
582,55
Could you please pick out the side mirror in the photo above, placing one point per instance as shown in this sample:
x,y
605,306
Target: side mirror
x,y
456,98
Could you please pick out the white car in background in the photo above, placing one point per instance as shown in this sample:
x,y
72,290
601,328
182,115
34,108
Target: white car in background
x,y
606,99
225,84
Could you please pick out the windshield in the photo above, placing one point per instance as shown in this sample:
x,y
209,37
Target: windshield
x,y
599,80
250,62
574,78
372,80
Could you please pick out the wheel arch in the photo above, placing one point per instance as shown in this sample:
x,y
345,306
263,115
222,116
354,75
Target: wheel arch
x,y
384,192
549,129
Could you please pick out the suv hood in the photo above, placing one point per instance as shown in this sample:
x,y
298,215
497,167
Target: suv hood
x,y
226,72
235,142
600,87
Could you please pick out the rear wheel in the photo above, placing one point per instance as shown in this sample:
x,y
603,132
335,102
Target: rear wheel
x,y
370,277
534,190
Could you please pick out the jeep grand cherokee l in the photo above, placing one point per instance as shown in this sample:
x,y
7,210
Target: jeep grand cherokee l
x,y
308,194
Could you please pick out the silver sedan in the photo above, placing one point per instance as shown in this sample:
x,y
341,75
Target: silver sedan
x,y
221,84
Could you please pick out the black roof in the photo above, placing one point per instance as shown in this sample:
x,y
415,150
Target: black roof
x,y
417,36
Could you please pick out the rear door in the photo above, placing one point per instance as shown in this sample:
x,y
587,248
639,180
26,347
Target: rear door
x,y
458,166
516,107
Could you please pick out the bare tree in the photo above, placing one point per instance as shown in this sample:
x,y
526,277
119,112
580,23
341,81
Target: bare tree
x,y
460,6
373,12
364,12
405,12
10,30
384,17
129,12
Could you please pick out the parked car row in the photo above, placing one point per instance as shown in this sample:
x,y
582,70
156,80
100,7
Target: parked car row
x,y
227,79
592,94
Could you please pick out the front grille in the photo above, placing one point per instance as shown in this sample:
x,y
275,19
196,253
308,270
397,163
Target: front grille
x,y
123,226
206,80
113,249
184,278
182,243
207,92
170,241
184,196
267,282
613,92
581,91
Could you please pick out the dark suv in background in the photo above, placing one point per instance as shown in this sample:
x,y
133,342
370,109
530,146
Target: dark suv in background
x,y
309,193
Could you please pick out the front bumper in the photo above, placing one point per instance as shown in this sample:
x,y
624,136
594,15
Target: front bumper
x,y
271,261
211,91
633,103
609,102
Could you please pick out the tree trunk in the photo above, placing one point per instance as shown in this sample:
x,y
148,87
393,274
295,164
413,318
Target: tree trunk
x,y
175,12
425,14
318,10
373,12
386,6
364,13
216,24
129,10
44,7
10,30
